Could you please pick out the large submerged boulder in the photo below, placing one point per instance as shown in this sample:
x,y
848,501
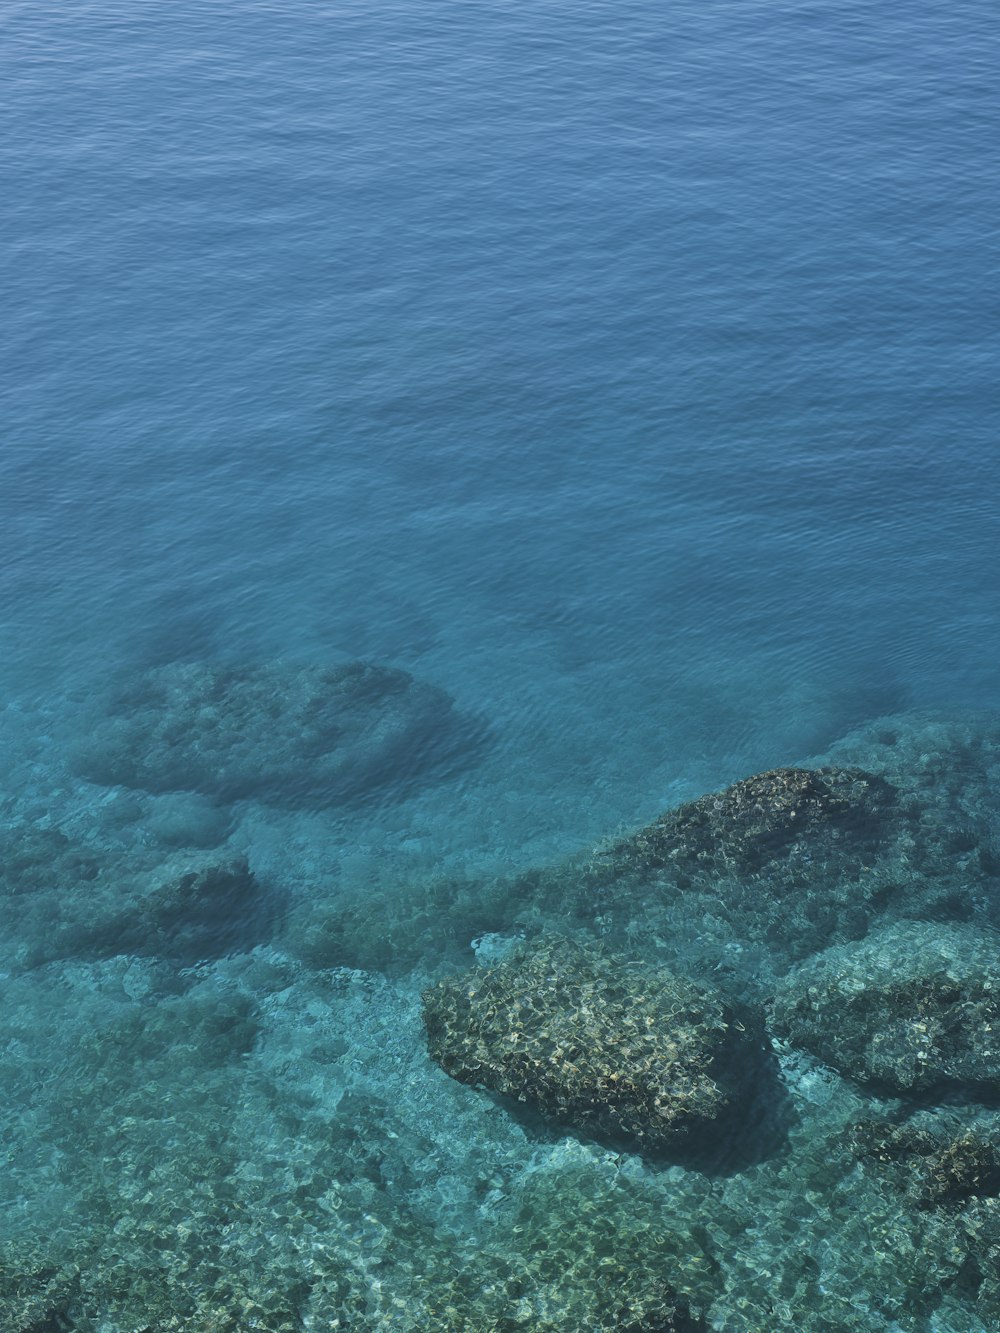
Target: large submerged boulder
x,y
592,1040
280,732
911,1009
767,817
741,882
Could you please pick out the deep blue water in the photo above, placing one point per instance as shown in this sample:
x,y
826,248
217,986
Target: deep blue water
x,y
627,370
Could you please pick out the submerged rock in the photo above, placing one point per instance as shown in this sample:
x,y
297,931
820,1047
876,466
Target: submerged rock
x,y
912,1008
61,900
278,732
767,816
737,885
593,1040
34,859
207,911
36,1294
742,883
932,1171
185,819
736,882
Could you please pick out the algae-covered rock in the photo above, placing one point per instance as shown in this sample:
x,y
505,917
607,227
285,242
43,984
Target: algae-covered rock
x,y
912,1007
738,884
771,868
589,1038
767,816
279,732
742,883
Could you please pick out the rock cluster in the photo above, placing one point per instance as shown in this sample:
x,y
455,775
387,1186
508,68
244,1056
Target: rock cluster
x,y
259,1141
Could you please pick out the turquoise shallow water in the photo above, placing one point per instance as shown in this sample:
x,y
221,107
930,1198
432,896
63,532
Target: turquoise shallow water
x,y
625,377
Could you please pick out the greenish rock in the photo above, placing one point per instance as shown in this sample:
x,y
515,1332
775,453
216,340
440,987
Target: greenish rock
x,y
280,732
912,1008
590,1039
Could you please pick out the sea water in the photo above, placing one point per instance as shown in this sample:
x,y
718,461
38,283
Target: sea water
x,y
626,373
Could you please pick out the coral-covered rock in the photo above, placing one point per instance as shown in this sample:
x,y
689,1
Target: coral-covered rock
x,y
910,1008
278,731
593,1040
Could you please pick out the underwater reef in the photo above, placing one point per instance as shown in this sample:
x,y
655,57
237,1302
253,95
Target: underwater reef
x,y
279,732
244,1095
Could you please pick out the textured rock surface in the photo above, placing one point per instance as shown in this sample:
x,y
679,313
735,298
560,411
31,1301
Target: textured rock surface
x,y
590,1039
280,732
912,1007
742,883
766,816
737,885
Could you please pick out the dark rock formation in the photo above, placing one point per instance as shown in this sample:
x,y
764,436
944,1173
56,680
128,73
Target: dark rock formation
x,y
764,817
64,900
769,870
912,1008
590,1039
742,883
207,911
279,732
737,885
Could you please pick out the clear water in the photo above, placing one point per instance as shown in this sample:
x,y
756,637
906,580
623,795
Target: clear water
x,y
626,372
